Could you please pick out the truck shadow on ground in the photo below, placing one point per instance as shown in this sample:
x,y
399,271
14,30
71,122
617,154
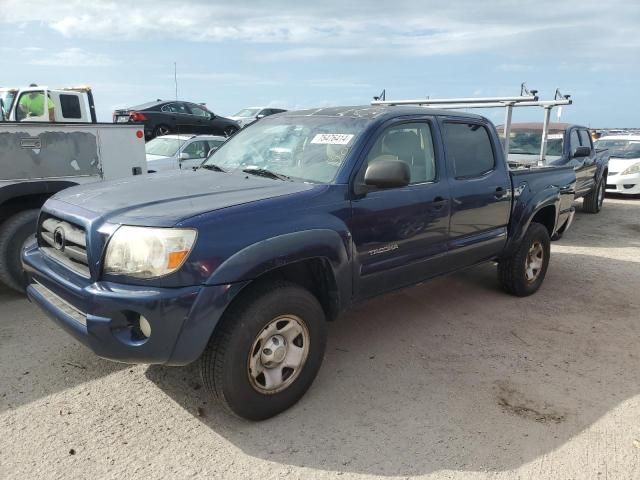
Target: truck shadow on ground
x,y
37,357
453,374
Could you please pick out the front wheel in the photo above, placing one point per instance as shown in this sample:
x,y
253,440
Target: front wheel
x,y
266,352
593,202
229,131
523,272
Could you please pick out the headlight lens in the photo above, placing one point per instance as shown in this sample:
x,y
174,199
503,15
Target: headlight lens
x,y
635,168
143,252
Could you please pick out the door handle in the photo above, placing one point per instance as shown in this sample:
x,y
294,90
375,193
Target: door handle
x,y
500,192
438,203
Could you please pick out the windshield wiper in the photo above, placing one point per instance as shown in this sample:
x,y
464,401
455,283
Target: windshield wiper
x,y
263,172
211,166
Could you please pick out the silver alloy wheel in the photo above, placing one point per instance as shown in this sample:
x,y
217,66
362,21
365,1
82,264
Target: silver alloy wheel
x,y
229,131
278,354
534,261
163,131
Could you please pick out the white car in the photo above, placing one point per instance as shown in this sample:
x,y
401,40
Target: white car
x,y
247,116
624,163
171,152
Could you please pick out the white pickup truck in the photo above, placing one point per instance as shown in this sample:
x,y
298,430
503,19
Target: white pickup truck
x,y
51,140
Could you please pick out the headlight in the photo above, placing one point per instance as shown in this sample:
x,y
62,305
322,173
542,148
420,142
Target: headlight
x,y
143,252
635,168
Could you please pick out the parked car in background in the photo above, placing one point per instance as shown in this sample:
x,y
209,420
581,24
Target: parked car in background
x,y
241,263
247,116
624,163
165,117
569,145
171,152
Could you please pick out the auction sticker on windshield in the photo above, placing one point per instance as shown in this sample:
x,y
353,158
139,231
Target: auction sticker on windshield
x,y
332,138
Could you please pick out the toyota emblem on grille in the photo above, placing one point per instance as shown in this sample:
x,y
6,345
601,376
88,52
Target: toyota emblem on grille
x,y
59,240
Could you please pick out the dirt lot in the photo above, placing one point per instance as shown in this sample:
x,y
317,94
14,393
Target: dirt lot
x,y
451,379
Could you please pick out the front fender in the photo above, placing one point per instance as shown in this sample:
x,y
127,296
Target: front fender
x,y
259,258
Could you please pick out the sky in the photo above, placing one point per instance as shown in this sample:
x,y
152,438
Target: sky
x,y
297,54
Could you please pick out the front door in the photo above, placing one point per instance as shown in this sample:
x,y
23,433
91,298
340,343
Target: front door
x,y
400,234
480,193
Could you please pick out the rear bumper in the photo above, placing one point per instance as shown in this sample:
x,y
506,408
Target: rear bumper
x,y
104,316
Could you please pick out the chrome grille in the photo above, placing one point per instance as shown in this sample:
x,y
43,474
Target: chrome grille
x,y
66,243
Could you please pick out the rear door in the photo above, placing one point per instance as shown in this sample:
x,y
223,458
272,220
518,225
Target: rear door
x,y
480,192
400,234
178,117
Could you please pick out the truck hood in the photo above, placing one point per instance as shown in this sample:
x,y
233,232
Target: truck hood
x,y
618,165
164,199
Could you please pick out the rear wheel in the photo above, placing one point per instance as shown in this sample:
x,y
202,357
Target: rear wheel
x,y
15,234
161,130
523,272
267,350
593,202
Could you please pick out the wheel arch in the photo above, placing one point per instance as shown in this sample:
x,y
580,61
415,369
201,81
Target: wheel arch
x,y
21,196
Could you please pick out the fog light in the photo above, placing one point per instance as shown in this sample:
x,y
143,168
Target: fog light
x,y
145,327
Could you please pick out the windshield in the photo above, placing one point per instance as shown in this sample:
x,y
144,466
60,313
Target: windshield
x,y
304,148
167,147
527,142
621,148
247,112
7,99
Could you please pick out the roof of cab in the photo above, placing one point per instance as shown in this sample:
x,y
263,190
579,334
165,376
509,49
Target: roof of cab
x,y
374,112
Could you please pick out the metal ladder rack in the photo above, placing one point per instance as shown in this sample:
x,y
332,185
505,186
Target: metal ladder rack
x,y
527,98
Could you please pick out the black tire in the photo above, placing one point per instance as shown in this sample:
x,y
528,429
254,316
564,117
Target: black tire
x,y
224,365
161,130
512,270
593,202
14,232
228,131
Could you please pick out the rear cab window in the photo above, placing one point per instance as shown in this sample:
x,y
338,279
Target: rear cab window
x,y
469,147
70,106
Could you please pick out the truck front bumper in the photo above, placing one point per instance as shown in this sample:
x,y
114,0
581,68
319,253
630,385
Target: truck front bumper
x,y
127,323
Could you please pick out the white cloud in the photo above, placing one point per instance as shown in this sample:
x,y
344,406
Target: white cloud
x,y
294,30
69,57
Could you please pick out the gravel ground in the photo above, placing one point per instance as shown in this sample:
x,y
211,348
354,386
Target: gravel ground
x,y
450,379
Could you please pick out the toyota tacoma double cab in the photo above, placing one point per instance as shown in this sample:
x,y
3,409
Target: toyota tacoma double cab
x,y
240,263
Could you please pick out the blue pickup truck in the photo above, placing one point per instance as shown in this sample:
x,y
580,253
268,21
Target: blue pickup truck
x,y
240,263
567,145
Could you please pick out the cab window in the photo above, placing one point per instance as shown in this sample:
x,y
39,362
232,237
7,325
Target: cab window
x,y
197,149
410,143
199,112
32,106
468,145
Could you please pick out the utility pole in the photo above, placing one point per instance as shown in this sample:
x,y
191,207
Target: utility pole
x,y
175,78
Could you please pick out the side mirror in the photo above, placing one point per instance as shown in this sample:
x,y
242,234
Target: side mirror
x,y
184,156
261,115
581,152
387,174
